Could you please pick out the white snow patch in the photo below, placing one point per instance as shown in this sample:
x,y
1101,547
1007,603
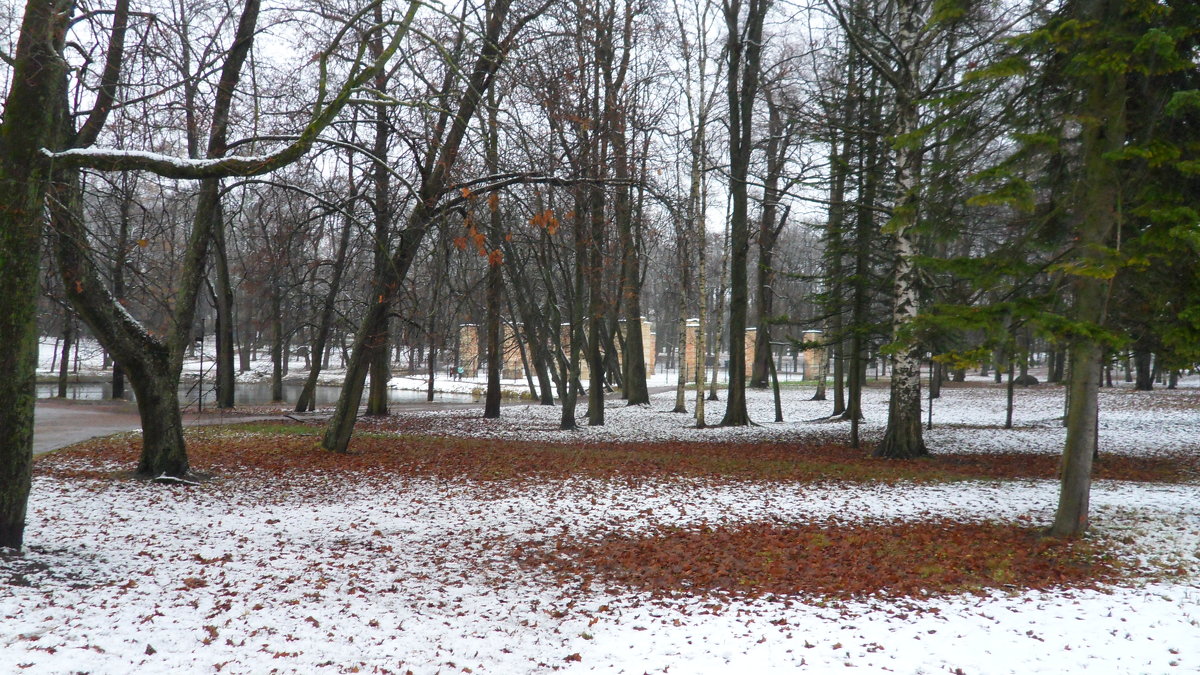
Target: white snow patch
x,y
391,575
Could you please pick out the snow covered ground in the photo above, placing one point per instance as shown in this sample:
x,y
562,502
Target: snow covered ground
x,y
401,574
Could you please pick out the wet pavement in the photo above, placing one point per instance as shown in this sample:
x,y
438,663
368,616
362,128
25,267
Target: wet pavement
x,y
62,422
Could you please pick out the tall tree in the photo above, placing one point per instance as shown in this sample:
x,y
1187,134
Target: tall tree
x,y
154,366
152,363
744,44
30,123
497,37
914,47
1123,49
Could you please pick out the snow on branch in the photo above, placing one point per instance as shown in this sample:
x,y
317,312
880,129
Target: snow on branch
x,y
324,112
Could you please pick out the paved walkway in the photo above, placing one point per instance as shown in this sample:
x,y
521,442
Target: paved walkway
x,y
62,422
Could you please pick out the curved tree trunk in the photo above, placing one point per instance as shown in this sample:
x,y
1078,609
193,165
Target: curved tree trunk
x,y
153,365
440,163
341,423
164,452
307,399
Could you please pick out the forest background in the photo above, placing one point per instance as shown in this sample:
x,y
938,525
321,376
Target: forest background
x,y
960,182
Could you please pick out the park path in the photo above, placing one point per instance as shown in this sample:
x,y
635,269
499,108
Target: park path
x,y
62,422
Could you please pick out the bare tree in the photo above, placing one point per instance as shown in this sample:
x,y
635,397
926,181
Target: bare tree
x,y
744,44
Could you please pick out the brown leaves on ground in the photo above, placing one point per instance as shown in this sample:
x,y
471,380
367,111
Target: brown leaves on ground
x,y
280,448
751,559
886,560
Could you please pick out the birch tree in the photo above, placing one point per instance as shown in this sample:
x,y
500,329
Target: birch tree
x,y
898,42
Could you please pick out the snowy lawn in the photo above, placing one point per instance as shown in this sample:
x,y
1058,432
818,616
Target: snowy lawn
x,y
381,571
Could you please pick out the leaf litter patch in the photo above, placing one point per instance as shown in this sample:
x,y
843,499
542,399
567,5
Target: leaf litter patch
x,y
283,450
892,561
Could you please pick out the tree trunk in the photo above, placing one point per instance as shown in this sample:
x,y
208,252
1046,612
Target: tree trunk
x,y
224,303
768,234
596,305
380,371
633,362
681,352
491,406
699,365
341,423
495,274
1098,188
537,332
1143,360
118,273
164,453
775,391
307,399
153,365
864,229
858,375
572,386
717,331
30,123
277,355
68,340
1060,361
1009,391
822,374
903,439
432,374
744,52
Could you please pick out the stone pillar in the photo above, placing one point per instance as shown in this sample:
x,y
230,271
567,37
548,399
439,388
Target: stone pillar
x,y
649,351
748,348
689,352
468,349
813,355
649,348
